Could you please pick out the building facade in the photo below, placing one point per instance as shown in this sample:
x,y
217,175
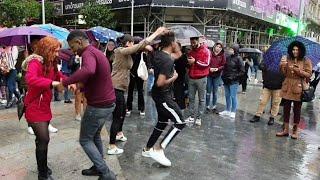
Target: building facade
x,y
251,23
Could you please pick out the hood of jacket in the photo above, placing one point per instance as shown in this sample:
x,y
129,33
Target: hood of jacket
x,y
25,63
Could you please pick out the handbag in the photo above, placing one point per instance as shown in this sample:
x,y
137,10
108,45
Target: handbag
x,y
21,108
307,94
142,70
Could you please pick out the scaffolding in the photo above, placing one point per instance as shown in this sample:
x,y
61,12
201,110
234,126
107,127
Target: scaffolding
x,y
232,27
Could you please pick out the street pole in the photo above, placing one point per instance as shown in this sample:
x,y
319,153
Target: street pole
x,y
43,13
301,11
132,8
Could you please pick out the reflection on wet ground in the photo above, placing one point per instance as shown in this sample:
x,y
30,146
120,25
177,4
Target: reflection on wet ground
x,y
226,149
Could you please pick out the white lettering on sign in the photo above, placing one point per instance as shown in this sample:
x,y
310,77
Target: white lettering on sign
x,y
73,6
240,3
120,1
104,1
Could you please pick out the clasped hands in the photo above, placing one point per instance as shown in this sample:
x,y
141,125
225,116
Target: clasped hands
x,y
59,86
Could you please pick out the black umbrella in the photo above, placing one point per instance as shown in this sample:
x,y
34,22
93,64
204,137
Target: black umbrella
x,y
250,50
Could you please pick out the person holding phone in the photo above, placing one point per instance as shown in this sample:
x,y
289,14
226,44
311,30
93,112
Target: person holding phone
x,y
297,70
199,60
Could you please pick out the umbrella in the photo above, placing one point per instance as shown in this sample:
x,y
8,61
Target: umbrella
x,y
250,50
20,36
279,48
58,32
184,33
103,34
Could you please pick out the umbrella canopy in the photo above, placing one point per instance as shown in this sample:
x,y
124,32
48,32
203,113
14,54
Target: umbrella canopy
x,y
184,33
103,34
250,50
279,48
20,36
58,32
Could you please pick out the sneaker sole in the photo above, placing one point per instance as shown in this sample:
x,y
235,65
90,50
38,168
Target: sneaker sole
x,y
166,165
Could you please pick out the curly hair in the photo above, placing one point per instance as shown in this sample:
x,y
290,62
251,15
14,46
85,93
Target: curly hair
x,y
300,46
46,48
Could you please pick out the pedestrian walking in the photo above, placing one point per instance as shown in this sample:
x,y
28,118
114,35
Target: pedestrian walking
x,y
244,79
217,62
162,94
9,57
231,76
297,70
199,60
95,76
122,64
41,76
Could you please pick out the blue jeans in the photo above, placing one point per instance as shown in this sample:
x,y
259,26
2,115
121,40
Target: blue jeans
x,y
150,82
66,94
212,87
90,139
12,85
230,92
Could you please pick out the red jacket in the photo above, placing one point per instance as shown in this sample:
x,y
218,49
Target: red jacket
x,y
200,68
39,95
217,61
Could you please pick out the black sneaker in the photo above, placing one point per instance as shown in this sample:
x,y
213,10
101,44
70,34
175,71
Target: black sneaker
x,y
255,119
109,176
91,172
271,121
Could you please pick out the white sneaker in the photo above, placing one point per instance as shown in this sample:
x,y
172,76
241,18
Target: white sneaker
x,y
232,115
142,113
158,155
3,101
128,113
52,129
146,153
121,138
78,117
30,131
214,107
115,151
198,122
224,113
189,120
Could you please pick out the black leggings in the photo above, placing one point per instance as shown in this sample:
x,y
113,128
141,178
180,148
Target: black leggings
x,y
118,116
42,140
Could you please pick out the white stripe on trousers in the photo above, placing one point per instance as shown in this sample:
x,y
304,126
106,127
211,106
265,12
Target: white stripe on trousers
x,y
166,141
173,112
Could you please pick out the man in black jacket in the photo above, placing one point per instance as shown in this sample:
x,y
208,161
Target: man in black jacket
x,y
272,83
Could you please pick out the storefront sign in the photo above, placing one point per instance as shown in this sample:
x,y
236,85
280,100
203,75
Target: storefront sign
x,y
74,6
208,4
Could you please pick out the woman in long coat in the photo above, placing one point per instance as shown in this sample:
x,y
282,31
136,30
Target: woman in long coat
x,y
297,70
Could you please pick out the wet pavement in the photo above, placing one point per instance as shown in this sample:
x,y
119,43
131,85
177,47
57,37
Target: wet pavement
x,y
220,149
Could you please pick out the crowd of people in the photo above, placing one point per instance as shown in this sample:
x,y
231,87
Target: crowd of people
x,y
100,80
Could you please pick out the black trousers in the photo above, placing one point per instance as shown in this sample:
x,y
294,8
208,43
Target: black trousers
x,y
135,81
167,109
119,114
179,95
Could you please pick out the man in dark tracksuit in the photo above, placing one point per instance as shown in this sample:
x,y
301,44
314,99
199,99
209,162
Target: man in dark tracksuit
x,y
162,94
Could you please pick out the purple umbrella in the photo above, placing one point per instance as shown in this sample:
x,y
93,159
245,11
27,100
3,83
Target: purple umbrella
x,y
20,36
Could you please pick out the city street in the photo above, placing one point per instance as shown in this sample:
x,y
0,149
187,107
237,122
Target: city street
x,y
219,149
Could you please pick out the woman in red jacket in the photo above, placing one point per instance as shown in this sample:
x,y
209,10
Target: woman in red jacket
x,y
41,76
